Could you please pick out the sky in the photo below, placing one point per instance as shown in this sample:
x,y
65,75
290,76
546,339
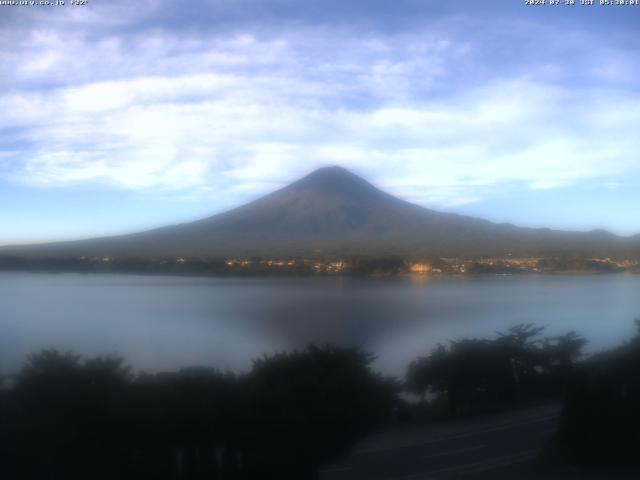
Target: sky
x,y
119,116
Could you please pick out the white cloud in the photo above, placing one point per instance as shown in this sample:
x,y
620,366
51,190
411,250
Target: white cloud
x,y
243,113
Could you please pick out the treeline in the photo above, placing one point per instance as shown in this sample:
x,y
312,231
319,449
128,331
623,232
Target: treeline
x,y
599,427
600,423
64,418
302,266
253,266
472,376
159,266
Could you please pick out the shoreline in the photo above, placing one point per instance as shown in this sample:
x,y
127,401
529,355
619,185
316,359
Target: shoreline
x,y
291,274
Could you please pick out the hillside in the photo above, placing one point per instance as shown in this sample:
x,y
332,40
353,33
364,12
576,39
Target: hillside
x,y
333,211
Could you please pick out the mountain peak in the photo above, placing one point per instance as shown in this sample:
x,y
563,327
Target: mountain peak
x,y
335,180
331,173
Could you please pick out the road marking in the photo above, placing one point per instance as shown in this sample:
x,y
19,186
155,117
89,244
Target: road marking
x,y
453,452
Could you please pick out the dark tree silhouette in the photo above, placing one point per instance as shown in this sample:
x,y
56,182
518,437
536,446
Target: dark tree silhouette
x,y
475,375
328,391
600,422
70,419
64,413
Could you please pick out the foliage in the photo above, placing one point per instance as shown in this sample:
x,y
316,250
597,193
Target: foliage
x,y
71,419
480,374
600,423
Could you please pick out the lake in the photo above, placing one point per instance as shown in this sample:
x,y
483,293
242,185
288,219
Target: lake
x,y
159,323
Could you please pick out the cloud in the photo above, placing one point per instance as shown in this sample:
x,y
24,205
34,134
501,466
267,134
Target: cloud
x,y
443,114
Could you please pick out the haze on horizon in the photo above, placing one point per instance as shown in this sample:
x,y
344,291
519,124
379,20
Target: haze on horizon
x,y
119,117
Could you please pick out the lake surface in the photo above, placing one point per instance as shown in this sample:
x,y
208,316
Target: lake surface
x,y
161,323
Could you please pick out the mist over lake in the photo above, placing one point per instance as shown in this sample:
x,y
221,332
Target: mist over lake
x,y
160,323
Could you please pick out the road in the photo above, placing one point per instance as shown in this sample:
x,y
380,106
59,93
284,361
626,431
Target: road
x,y
503,446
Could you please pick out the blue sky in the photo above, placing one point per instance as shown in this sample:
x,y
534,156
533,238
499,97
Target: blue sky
x,y
120,116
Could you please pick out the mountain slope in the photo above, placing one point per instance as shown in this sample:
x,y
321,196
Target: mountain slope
x,y
334,211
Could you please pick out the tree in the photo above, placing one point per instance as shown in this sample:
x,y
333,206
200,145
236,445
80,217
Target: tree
x,y
475,374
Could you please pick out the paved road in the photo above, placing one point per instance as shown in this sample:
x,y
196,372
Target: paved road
x,y
503,446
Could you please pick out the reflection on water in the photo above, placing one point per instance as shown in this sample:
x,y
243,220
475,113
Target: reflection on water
x,y
167,322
